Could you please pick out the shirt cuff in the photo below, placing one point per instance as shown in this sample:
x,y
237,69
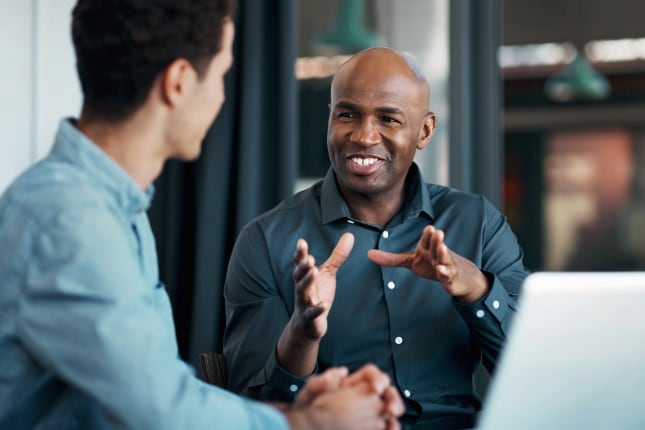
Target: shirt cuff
x,y
496,307
284,385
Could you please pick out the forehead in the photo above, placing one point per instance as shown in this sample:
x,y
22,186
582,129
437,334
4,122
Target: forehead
x,y
377,82
392,91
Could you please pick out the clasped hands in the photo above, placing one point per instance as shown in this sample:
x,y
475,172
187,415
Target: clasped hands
x,y
338,400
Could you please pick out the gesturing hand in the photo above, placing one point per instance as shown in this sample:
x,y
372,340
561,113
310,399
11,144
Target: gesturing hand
x,y
315,287
433,259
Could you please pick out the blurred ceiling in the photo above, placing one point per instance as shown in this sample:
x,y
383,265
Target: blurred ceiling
x,y
576,21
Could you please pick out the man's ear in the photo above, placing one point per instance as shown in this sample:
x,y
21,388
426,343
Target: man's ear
x,y
427,129
177,80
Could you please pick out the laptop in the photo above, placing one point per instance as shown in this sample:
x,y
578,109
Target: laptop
x,y
575,356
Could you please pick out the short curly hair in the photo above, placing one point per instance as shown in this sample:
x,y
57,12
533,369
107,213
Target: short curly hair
x,y
123,45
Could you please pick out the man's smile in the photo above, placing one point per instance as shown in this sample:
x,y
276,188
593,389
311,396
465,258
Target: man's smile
x,y
364,164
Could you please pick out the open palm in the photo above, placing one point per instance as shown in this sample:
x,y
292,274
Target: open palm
x,y
315,287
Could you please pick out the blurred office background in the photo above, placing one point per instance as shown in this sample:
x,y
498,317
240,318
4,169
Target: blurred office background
x,y
540,106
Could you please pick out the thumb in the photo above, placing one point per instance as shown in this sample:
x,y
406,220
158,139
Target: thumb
x,y
339,254
389,259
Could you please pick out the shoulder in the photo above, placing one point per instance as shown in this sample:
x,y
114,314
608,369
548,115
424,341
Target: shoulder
x,y
51,189
278,229
57,211
441,194
444,199
292,210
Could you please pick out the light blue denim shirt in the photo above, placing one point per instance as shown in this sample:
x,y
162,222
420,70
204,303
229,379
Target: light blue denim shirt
x,y
86,331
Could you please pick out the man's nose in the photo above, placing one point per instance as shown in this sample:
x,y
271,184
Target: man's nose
x,y
366,133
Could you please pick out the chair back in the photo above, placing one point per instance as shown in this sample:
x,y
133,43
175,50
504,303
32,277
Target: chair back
x,y
214,368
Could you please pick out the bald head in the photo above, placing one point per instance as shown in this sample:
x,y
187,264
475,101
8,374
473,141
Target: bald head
x,y
382,65
378,119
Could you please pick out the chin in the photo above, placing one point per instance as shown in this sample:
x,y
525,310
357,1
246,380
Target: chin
x,y
189,154
194,155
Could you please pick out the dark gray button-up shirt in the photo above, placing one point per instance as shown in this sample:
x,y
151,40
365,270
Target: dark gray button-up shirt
x,y
427,342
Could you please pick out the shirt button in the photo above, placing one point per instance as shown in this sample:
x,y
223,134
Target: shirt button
x,y
391,285
398,340
386,234
480,314
407,393
293,388
496,304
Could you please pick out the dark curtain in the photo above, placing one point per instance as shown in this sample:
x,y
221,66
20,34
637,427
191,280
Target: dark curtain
x,y
475,98
248,165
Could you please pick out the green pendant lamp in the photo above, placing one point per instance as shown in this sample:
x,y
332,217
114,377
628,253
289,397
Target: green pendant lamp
x,y
348,35
577,81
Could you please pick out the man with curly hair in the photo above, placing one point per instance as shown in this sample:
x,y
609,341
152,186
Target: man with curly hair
x,y
87,338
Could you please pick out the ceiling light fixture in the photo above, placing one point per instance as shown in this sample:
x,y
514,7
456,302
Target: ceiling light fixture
x,y
348,34
578,80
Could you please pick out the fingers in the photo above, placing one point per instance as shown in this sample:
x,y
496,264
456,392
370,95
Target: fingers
x,y
321,383
332,378
303,268
379,383
302,249
426,236
437,246
310,313
393,402
389,259
392,423
302,260
377,380
303,277
339,254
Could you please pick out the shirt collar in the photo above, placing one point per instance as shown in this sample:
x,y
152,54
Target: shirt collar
x,y
332,204
417,200
74,147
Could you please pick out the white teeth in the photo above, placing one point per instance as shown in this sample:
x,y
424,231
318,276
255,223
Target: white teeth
x,y
364,161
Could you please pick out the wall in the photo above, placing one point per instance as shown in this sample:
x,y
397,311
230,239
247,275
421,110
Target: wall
x,y
39,80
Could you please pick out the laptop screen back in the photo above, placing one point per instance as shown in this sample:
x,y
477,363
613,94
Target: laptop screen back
x,y
575,356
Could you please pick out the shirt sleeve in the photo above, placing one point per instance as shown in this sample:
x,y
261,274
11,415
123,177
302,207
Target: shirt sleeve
x,y
255,304
490,318
89,316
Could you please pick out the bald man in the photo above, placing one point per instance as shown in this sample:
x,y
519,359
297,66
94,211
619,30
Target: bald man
x,y
417,278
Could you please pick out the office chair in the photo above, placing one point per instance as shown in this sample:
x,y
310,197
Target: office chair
x,y
214,368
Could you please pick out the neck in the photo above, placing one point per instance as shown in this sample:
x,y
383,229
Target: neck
x,y
134,144
375,209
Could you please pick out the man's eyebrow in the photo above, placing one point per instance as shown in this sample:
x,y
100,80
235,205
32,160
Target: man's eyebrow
x,y
388,109
380,109
345,105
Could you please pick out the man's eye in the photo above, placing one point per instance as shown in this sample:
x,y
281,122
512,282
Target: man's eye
x,y
389,119
346,115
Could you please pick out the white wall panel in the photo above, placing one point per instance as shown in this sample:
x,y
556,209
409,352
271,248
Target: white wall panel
x,y
16,95
57,91
38,77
